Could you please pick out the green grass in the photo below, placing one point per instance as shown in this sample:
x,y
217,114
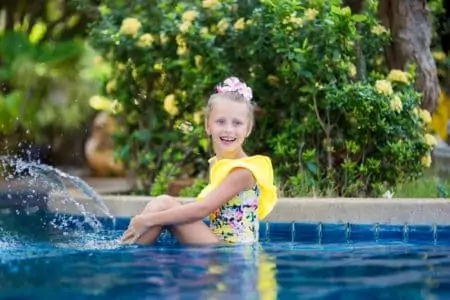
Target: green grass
x,y
428,186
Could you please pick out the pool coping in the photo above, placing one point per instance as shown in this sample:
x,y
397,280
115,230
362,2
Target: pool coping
x,y
394,211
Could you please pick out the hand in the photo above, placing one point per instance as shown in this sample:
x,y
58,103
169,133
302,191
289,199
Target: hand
x,y
138,226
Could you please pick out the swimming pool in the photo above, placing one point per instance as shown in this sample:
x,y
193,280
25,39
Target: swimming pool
x,y
293,261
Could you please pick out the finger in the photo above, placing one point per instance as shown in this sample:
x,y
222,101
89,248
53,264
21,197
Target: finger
x,y
128,240
127,235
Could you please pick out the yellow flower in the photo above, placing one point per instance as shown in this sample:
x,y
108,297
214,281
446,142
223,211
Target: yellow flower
x,y
204,31
158,67
240,24
351,70
318,85
182,49
134,74
396,104
210,3
296,21
383,87
198,61
222,26
378,29
197,118
146,40
180,40
249,22
430,140
426,160
170,105
185,26
189,16
425,116
163,38
130,26
185,127
111,86
398,75
310,14
439,55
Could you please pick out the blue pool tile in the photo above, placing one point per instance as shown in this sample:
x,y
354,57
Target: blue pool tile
x,y
390,232
419,233
306,233
443,234
280,231
361,232
334,233
263,232
121,223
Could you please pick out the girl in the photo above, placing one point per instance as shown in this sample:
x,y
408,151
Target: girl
x,y
240,191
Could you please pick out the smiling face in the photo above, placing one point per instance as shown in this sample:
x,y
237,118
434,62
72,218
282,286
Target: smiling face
x,y
228,124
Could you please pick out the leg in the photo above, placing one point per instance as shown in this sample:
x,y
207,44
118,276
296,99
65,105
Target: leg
x,y
191,233
159,204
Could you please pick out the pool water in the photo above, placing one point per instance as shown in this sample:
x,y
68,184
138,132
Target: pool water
x,y
39,261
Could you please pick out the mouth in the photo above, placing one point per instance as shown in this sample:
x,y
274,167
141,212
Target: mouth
x,y
227,140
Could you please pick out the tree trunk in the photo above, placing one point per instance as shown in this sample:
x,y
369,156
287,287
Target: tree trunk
x,y
356,6
410,26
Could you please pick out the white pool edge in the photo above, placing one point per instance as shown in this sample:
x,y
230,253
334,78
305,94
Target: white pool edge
x,y
417,211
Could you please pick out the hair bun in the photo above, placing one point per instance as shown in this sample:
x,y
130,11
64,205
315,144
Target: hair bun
x,y
233,84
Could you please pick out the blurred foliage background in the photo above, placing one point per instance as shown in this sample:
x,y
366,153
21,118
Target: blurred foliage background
x,y
333,116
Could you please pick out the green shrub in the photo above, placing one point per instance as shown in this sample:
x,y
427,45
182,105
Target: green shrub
x,y
45,86
329,115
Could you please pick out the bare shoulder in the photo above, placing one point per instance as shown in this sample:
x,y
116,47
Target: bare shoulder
x,y
240,178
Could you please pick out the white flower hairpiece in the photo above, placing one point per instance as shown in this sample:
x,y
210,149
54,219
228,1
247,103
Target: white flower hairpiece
x,y
233,84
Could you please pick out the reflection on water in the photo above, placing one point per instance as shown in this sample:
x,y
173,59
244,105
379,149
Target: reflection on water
x,y
38,261
83,264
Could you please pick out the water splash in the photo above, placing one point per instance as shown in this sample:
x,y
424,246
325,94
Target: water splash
x,y
54,178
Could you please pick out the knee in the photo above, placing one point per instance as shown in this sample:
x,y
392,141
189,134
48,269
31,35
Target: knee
x,y
162,202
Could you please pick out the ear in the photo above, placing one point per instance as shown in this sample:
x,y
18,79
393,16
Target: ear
x,y
207,130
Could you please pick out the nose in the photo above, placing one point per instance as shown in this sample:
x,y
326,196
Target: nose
x,y
228,128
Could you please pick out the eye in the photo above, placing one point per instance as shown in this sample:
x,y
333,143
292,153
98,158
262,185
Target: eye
x,y
220,121
237,122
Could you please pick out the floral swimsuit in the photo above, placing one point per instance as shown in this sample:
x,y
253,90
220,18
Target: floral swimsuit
x,y
237,220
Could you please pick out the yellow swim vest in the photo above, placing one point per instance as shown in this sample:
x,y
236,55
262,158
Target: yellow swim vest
x,y
260,166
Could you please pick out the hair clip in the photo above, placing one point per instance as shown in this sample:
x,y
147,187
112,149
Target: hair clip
x,y
233,84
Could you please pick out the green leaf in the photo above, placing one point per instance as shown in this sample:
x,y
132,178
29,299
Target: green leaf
x,y
142,135
312,167
359,17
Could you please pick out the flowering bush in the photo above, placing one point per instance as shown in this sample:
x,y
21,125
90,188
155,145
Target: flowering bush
x,y
330,116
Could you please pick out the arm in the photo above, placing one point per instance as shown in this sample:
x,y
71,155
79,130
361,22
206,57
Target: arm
x,y
237,180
